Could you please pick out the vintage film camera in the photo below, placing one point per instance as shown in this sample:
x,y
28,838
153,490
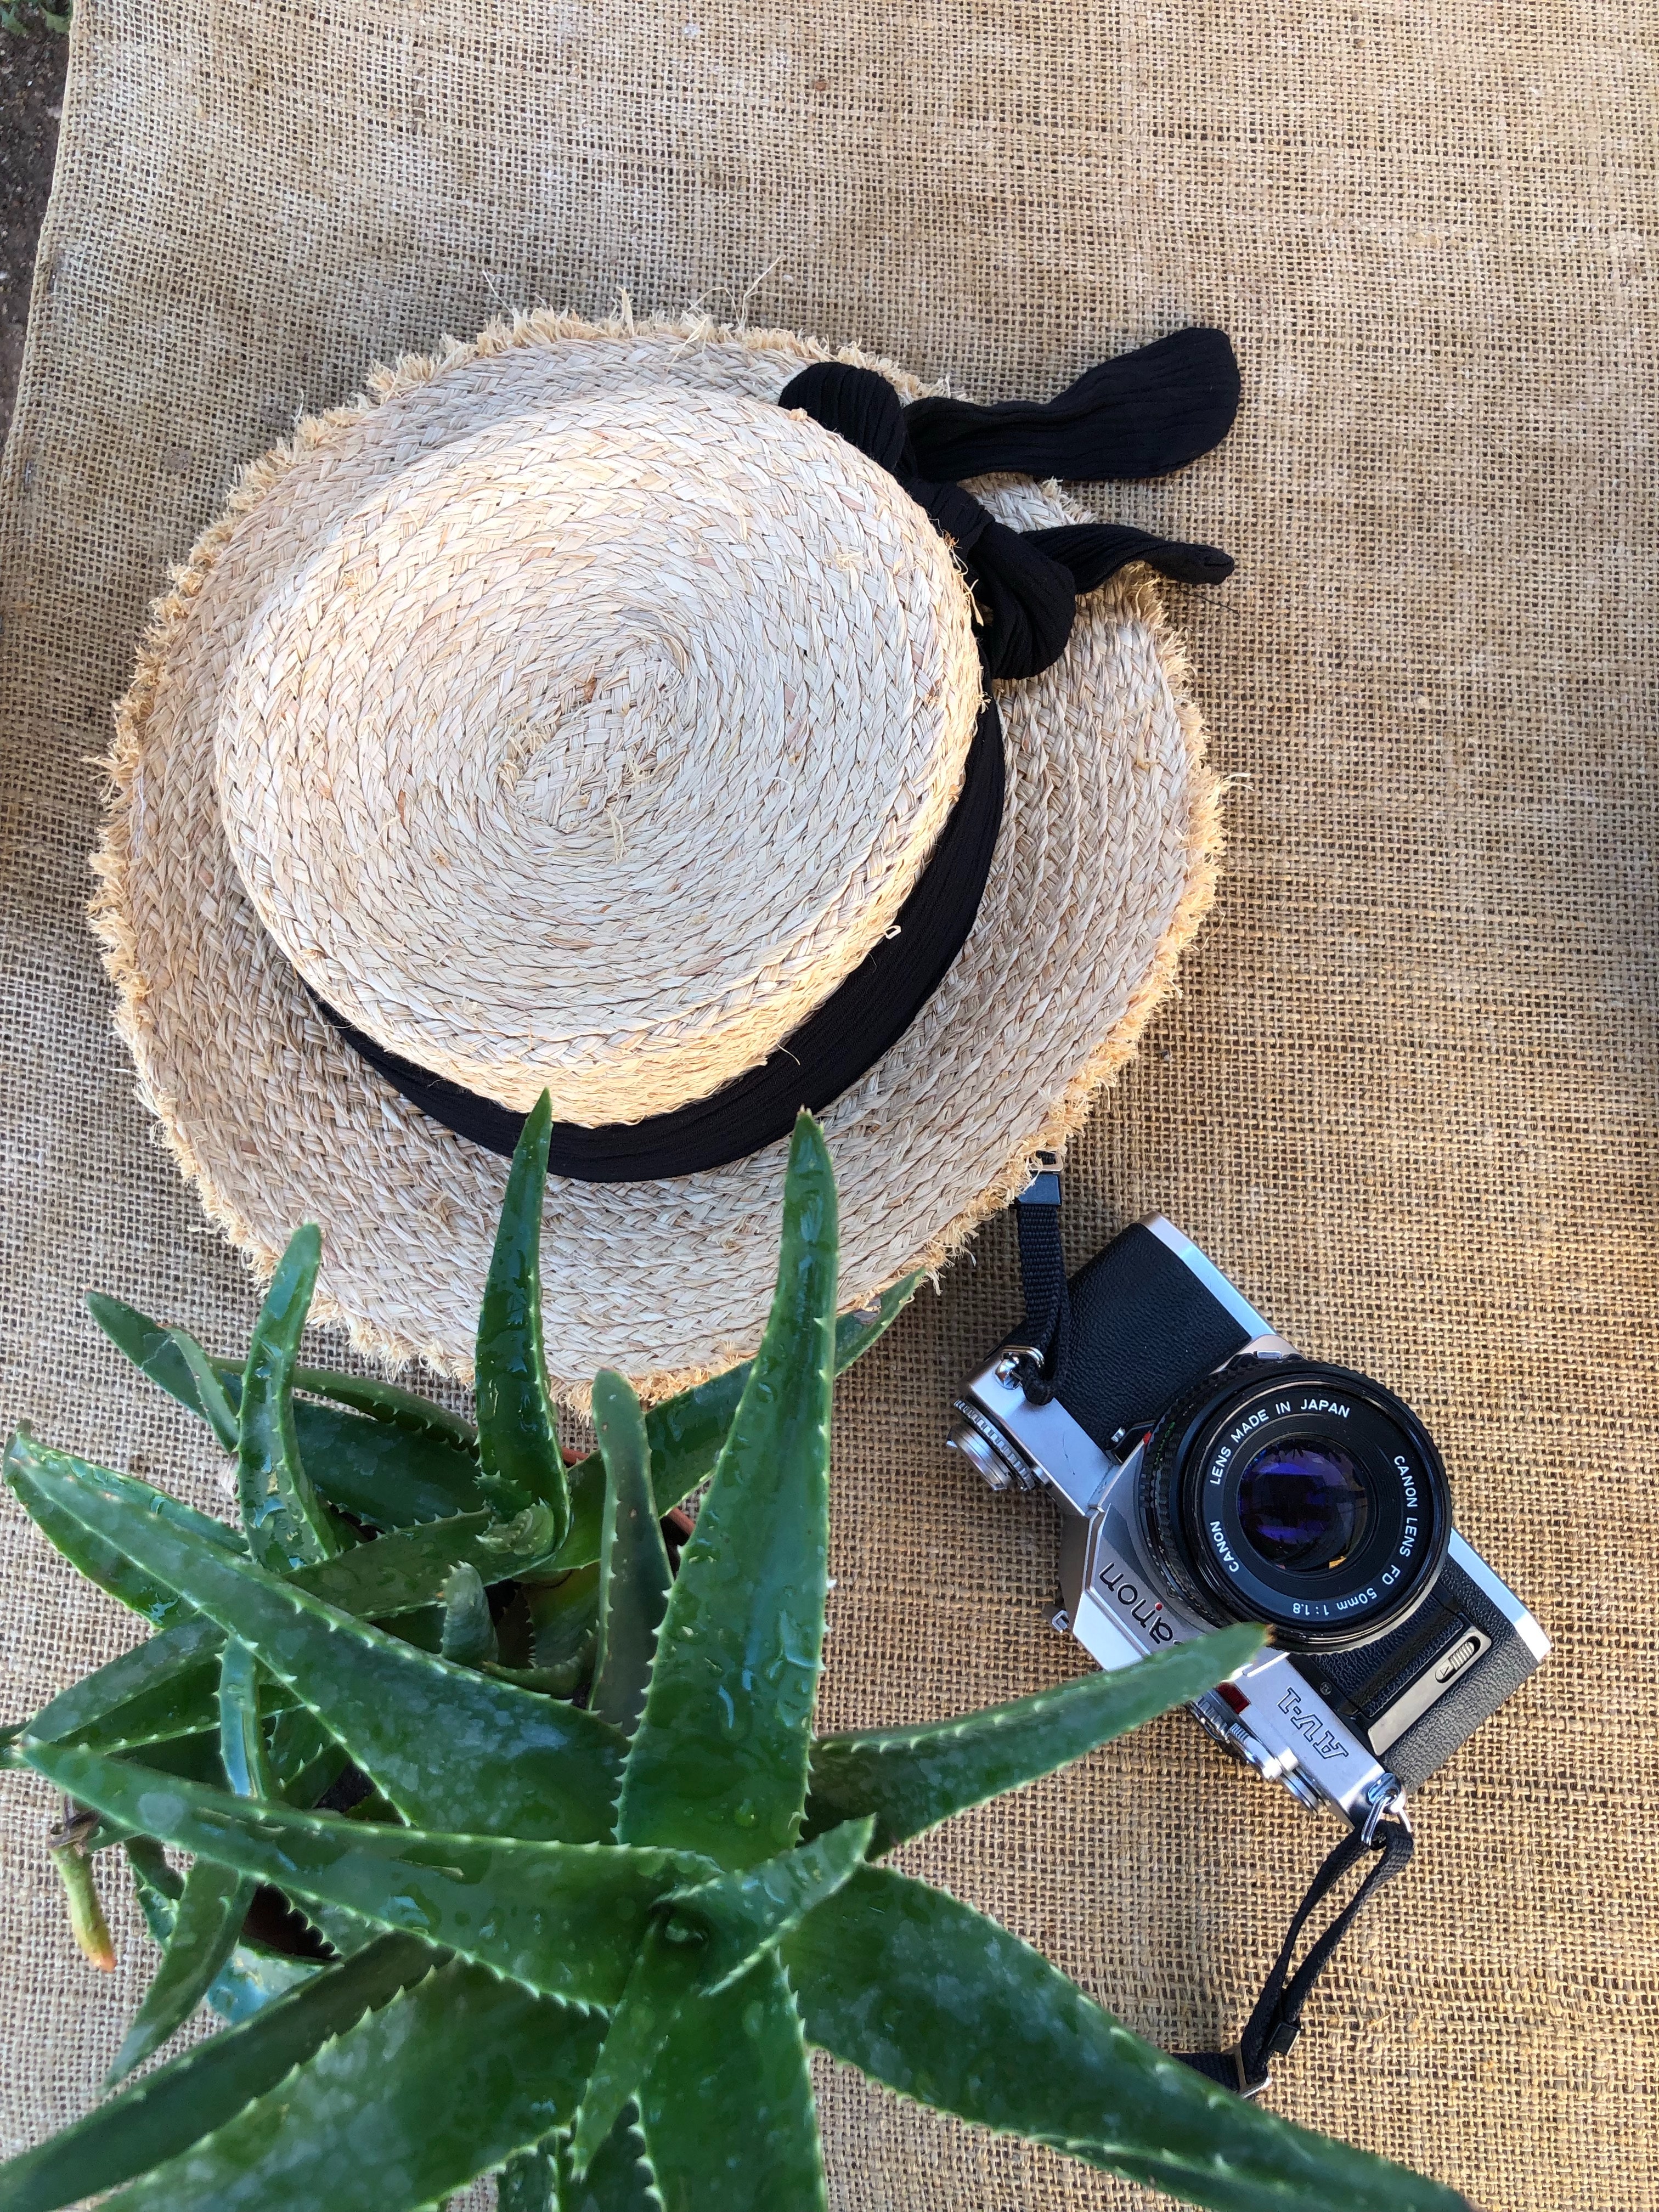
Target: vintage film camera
x,y
1208,1472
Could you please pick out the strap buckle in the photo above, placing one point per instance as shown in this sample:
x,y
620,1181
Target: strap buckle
x,y
1043,1188
1249,2087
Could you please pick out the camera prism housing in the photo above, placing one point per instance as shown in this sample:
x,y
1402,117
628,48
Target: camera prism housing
x,y
1208,1472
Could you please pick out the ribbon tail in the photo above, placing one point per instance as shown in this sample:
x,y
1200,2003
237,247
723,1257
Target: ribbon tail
x,y
1141,415
1095,551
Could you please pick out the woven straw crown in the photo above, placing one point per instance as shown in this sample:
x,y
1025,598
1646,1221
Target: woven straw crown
x,y
593,750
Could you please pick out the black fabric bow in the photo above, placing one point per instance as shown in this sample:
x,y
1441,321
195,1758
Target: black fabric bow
x,y
1139,416
1142,414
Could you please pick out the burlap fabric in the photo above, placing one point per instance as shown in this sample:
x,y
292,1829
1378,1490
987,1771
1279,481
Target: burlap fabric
x,y
1406,1098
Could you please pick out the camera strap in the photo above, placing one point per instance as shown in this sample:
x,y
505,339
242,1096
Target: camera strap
x,y
1042,1358
1276,2022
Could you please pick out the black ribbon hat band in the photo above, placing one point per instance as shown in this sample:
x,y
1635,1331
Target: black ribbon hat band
x,y
1141,415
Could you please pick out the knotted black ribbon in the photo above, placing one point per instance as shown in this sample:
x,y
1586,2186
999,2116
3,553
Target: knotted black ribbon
x,y
1141,415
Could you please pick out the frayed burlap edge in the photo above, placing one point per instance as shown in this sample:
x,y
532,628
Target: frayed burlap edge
x,y
109,910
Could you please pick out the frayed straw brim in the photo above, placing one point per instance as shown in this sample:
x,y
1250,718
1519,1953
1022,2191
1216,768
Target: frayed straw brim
x,y
1103,868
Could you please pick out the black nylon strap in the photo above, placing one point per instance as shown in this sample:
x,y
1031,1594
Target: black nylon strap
x,y
1276,2022
1140,415
1047,1327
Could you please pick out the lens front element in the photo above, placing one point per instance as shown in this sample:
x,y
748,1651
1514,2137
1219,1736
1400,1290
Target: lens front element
x,y
1300,1494
1303,1504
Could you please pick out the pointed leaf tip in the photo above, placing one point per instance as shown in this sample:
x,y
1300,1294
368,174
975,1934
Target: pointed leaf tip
x,y
718,1762
204,1934
469,1629
633,1573
287,1524
519,1455
912,1778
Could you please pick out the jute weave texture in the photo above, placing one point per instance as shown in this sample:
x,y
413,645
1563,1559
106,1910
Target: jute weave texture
x,y
1407,1096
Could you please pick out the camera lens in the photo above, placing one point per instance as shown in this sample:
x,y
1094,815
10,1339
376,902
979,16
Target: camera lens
x,y
1299,1495
1303,1503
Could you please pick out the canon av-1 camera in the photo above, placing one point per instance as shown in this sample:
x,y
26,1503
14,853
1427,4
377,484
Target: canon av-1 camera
x,y
1207,1473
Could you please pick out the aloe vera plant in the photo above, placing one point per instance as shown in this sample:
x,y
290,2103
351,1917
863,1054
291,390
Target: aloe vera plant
x,y
575,1881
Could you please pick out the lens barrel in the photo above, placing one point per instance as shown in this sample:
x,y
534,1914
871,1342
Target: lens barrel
x,y
1299,1495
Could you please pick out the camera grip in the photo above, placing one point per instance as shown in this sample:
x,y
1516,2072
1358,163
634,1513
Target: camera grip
x,y
1372,1676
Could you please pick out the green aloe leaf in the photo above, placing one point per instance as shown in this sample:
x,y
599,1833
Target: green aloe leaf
x,y
621,2178
741,2136
519,1452
384,1401
686,1432
383,1475
708,1939
100,1563
663,1984
912,1778
634,1575
719,1763
285,1523
204,1934
447,2080
383,1470
168,1687
24,1458
156,1351
564,1919
947,2007
407,1570
216,1408
154,2119
469,1632
242,1749
158,1689
453,1750
564,1617
250,1980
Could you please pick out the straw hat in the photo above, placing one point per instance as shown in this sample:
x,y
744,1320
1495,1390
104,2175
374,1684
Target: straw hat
x,y
566,714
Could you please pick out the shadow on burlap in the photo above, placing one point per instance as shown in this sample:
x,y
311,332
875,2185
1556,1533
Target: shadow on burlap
x,y
1405,1095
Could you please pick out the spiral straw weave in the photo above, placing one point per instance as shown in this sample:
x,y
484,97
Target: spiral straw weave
x,y
1102,870
594,749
